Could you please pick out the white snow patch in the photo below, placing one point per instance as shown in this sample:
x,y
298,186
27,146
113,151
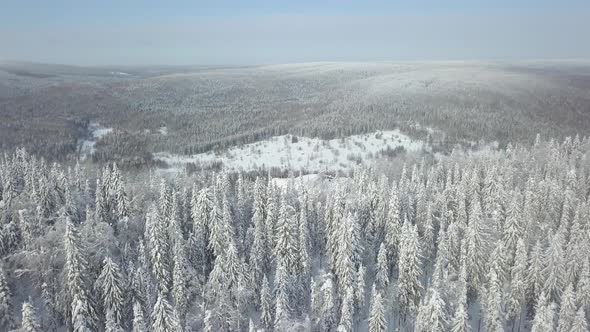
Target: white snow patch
x,y
312,154
118,73
87,146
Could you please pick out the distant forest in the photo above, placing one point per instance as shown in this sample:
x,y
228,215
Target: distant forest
x,y
47,109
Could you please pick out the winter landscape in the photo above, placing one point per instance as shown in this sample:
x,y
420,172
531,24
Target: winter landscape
x,y
269,177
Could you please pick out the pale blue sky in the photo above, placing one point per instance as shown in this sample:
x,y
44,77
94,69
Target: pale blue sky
x,y
128,32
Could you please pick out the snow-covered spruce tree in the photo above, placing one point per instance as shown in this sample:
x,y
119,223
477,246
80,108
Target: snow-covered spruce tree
x,y
580,324
163,317
266,320
554,270
29,318
159,249
81,321
382,267
304,261
347,313
431,314
567,310
271,214
377,322
346,259
180,283
392,229
200,211
5,316
516,296
543,319
476,247
493,316
583,287
359,291
513,228
408,287
328,313
82,314
460,320
111,323
534,275
139,324
109,285
282,307
260,250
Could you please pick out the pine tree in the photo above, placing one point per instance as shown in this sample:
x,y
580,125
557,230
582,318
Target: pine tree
x,y
138,318
377,321
29,318
163,317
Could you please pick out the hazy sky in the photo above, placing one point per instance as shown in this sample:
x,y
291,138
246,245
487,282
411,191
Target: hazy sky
x,y
128,32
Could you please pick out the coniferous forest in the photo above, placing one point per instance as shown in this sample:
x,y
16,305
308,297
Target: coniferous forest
x,y
481,242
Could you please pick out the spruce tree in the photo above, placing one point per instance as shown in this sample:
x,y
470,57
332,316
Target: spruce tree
x,y
29,318
139,324
163,317
377,321
109,286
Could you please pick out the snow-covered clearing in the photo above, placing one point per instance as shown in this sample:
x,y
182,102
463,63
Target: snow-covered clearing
x,y
301,153
96,133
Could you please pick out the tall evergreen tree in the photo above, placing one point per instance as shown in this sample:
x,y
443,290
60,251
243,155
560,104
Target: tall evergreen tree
x,y
377,322
29,318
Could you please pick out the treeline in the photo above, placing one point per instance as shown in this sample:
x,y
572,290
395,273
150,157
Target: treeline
x,y
490,243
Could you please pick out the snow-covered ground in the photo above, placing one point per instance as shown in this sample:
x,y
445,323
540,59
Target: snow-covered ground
x,y
312,154
96,133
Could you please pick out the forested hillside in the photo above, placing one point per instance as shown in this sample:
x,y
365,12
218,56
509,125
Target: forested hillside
x,y
487,242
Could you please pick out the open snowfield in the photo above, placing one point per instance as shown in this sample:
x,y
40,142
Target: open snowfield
x,y
87,146
312,154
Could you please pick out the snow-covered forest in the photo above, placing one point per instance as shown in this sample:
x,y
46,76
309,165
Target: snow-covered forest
x,y
486,242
